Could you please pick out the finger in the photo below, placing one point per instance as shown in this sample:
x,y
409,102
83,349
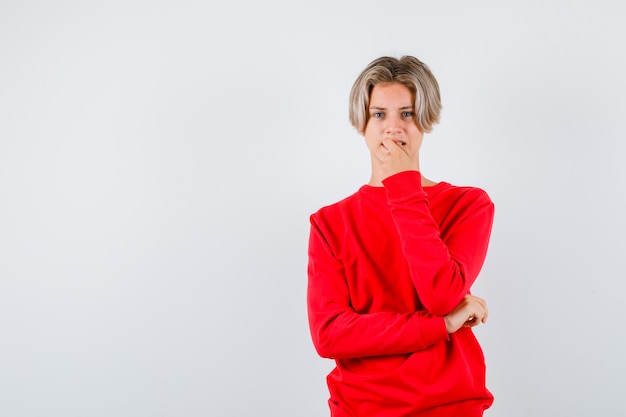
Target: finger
x,y
392,146
471,323
477,314
484,311
480,304
385,150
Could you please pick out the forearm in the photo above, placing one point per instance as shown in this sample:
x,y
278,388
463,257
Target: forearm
x,y
353,335
441,270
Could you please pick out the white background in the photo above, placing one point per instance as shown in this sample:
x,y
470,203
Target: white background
x,y
159,161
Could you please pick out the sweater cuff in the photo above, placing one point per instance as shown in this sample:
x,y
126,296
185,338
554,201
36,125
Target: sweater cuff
x,y
432,329
404,184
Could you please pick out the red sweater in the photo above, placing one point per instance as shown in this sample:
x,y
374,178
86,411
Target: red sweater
x,y
385,265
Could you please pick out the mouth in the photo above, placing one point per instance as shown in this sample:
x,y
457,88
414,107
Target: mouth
x,y
396,141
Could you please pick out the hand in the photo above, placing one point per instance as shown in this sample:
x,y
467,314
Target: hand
x,y
470,312
393,157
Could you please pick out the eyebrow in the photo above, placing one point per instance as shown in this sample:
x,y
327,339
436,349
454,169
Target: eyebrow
x,y
384,108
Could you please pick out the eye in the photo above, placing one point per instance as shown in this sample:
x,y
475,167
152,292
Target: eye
x,y
407,114
378,114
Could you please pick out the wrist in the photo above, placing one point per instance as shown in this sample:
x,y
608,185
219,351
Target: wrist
x,y
448,325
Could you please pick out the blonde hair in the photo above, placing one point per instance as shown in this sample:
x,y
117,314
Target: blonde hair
x,y
408,71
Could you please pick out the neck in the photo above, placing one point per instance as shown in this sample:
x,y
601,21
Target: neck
x,y
376,180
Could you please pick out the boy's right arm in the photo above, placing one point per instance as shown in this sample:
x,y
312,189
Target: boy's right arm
x,y
339,332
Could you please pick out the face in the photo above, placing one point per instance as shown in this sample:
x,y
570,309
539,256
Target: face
x,y
391,116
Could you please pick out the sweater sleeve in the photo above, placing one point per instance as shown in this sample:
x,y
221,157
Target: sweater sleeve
x,y
338,332
442,270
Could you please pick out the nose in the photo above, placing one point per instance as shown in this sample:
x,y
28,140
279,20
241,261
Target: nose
x,y
393,126
393,130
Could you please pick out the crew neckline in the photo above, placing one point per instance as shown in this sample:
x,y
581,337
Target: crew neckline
x,y
376,189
